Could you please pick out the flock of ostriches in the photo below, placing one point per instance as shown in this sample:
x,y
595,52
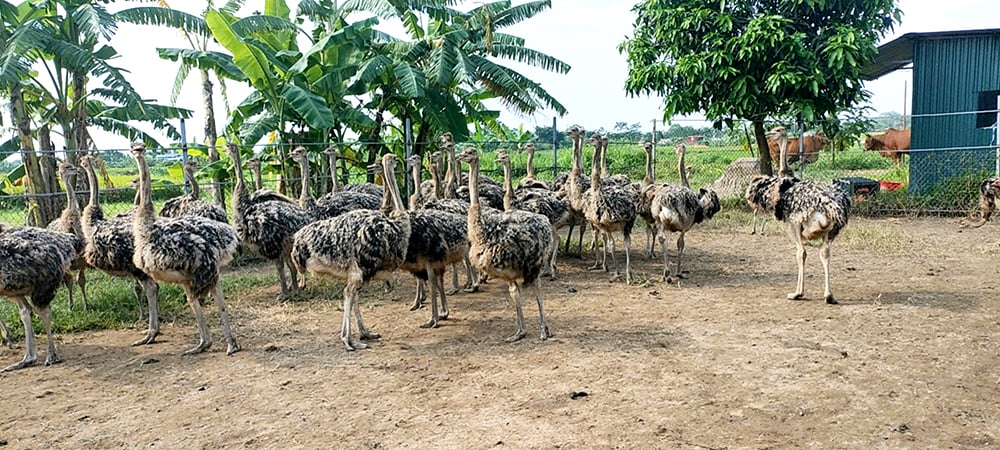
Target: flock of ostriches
x,y
362,232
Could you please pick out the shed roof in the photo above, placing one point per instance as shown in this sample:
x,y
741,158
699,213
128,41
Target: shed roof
x,y
898,53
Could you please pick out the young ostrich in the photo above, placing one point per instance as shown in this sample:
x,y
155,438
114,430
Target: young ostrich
x,y
69,222
678,208
812,210
33,262
260,194
543,202
438,239
109,248
454,206
573,185
508,245
529,181
989,192
267,227
191,204
609,209
357,247
188,250
336,202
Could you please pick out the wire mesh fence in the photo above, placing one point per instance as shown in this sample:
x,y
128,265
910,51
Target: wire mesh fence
x,y
948,176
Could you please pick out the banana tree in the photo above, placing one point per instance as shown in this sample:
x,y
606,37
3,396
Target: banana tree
x,y
198,57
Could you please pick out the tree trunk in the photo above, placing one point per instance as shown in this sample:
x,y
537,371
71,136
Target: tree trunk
x,y
763,152
48,167
40,210
211,135
79,118
374,144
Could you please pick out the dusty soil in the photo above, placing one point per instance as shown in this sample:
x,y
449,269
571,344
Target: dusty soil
x,y
909,359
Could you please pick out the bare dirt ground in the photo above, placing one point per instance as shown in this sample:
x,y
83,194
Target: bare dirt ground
x,y
909,359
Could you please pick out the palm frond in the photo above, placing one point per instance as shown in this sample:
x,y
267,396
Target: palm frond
x,y
93,20
520,13
165,17
218,62
530,57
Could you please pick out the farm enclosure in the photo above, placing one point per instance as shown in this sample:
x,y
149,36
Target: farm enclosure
x,y
908,360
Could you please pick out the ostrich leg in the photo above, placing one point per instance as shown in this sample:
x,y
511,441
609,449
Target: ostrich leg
x,y
220,301
515,295
151,291
541,314
800,256
824,256
51,357
29,336
204,339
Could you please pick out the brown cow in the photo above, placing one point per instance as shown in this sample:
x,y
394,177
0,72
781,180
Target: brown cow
x,y
812,146
891,144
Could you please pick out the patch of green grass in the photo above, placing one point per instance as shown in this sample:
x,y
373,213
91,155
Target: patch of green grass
x,y
113,304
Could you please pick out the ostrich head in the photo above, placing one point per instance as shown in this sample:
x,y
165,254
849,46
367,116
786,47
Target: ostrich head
x,y
529,147
299,155
87,161
469,156
647,147
502,156
138,148
595,140
574,132
437,159
67,171
191,166
253,163
413,161
680,149
777,133
604,141
446,138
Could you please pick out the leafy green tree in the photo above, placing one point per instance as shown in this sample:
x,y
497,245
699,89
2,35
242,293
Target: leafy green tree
x,y
754,59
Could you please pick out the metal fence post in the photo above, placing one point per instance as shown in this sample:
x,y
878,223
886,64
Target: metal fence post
x,y
996,138
184,158
653,151
802,149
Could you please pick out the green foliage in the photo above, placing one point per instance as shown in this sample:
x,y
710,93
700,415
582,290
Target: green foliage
x,y
753,58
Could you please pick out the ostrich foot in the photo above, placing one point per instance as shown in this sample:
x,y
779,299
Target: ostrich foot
x,y
24,363
682,275
546,333
795,296
233,347
517,336
146,340
352,344
369,335
417,304
597,266
830,300
202,346
433,323
471,289
454,291
52,358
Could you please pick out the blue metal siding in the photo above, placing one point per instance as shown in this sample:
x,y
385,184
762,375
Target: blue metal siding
x,y
948,75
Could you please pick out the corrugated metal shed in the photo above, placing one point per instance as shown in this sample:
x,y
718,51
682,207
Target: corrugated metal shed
x,y
951,72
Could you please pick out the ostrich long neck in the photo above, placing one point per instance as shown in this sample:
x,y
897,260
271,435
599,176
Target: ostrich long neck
x,y
650,177
604,158
144,217
595,180
305,198
415,197
334,182
531,164
258,181
682,168
575,189
240,197
92,213
436,180
474,207
783,155
195,190
453,176
508,187
397,208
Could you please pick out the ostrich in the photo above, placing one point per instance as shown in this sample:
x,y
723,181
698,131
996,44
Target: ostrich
x,y
617,180
336,202
33,262
572,185
529,181
647,190
191,204
69,222
267,227
109,248
357,247
188,250
437,239
543,202
366,188
678,208
811,209
989,192
509,245
453,206
609,209
258,180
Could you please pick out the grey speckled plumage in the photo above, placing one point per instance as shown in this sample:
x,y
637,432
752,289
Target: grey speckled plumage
x,y
357,247
811,210
33,262
371,189
191,204
610,209
678,209
508,245
989,193
109,248
336,202
189,251
266,227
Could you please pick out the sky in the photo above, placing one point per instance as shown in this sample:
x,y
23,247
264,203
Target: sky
x,y
583,33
